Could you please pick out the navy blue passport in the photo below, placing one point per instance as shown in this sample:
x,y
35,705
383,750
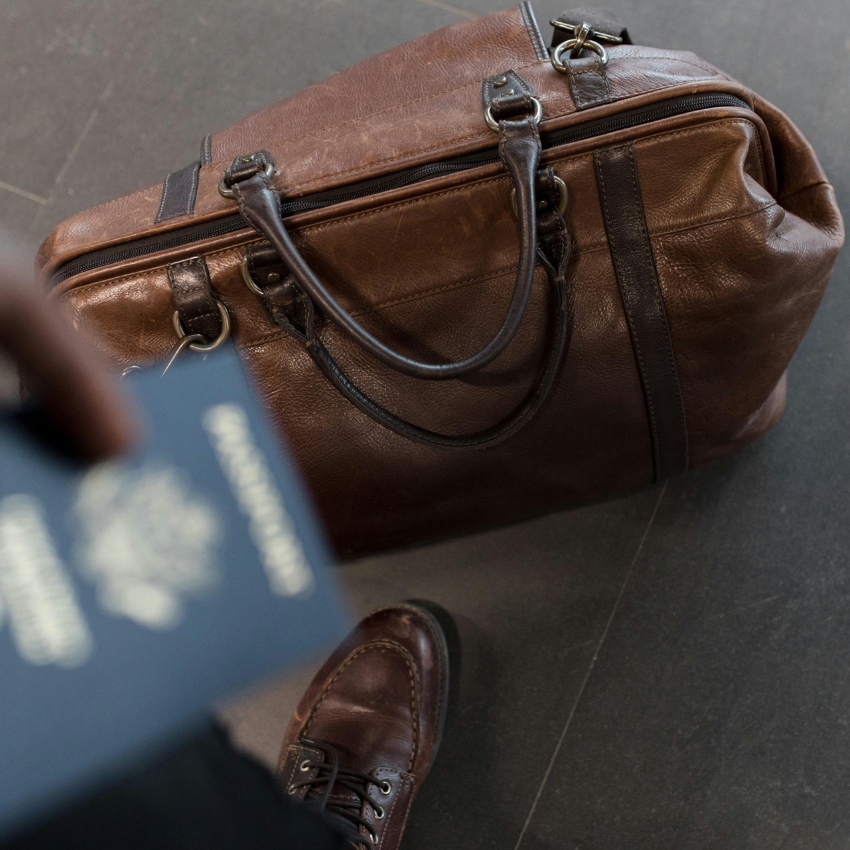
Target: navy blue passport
x,y
135,593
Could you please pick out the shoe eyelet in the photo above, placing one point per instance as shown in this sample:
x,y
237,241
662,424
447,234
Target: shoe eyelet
x,y
379,813
385,788
374,838
305,765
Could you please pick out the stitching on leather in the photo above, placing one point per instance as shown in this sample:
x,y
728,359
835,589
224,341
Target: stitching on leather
x,y
440,675
383,646
294,765
594,70
706,67
294,748
190,200
401,204
206,150
599,70
592,249
185,289
578,100
398,205
534,34
503,272
162,199
404,781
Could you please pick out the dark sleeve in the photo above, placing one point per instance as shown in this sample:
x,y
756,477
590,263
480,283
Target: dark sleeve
x,y
203,794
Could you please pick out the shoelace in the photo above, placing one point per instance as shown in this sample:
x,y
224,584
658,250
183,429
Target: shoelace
x,y
330,774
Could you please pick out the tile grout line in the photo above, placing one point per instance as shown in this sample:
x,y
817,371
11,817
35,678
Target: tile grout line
x,y
22,192
587,675
73,153
437,4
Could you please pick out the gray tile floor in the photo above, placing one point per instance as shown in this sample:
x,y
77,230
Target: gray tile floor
x,y
668,670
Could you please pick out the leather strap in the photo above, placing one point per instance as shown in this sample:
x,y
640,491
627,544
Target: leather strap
x,y
587,75
193,297
559,337
178,193
637,276
293,311
519,150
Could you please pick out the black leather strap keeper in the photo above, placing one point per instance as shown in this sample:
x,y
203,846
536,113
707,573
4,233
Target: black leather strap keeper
x,y
193,297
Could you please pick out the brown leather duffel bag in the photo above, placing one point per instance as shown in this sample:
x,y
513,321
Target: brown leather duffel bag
x,y
475,280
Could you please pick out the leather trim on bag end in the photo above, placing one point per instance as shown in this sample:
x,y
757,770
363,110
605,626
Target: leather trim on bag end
x,y
534,33
178,193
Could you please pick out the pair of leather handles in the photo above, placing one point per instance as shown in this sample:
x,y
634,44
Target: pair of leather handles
x,y
543,236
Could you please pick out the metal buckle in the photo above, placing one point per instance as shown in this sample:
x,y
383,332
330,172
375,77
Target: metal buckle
x,y
563,197
226,192
209,345
197,342
493,124
249,281
585,38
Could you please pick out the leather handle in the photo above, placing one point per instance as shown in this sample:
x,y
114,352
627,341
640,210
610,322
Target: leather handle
x,y
293,311
519,149
559,337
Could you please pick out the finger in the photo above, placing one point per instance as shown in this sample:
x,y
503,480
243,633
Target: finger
x,y
65,375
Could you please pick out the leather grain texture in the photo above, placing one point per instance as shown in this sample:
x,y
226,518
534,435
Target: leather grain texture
x,y
741,221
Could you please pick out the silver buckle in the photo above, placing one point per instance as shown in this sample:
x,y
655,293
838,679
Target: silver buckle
x,y
584,38
493,124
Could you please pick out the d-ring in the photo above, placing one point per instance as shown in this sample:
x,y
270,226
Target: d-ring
x,y
493,124
249,281
562,197
226,192
564,46
212,344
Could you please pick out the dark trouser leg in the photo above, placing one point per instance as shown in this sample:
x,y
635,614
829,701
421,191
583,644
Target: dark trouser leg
x,y
203,795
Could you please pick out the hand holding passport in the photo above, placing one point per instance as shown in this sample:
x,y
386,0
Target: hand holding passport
x,y
135,593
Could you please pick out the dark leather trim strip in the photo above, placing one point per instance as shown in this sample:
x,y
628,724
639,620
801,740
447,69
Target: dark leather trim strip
x,y
534,33
178,193
588,81
193,297
637,276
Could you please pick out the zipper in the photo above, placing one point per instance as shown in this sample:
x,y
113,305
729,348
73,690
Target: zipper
x,y
232,223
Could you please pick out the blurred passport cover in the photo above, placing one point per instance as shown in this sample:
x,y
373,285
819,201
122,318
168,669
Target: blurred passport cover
x,y
135,593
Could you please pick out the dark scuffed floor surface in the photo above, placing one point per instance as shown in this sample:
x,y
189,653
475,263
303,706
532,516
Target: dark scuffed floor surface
x,y
667,671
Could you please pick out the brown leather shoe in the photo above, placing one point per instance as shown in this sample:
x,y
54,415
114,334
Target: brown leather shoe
x,y
367,729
